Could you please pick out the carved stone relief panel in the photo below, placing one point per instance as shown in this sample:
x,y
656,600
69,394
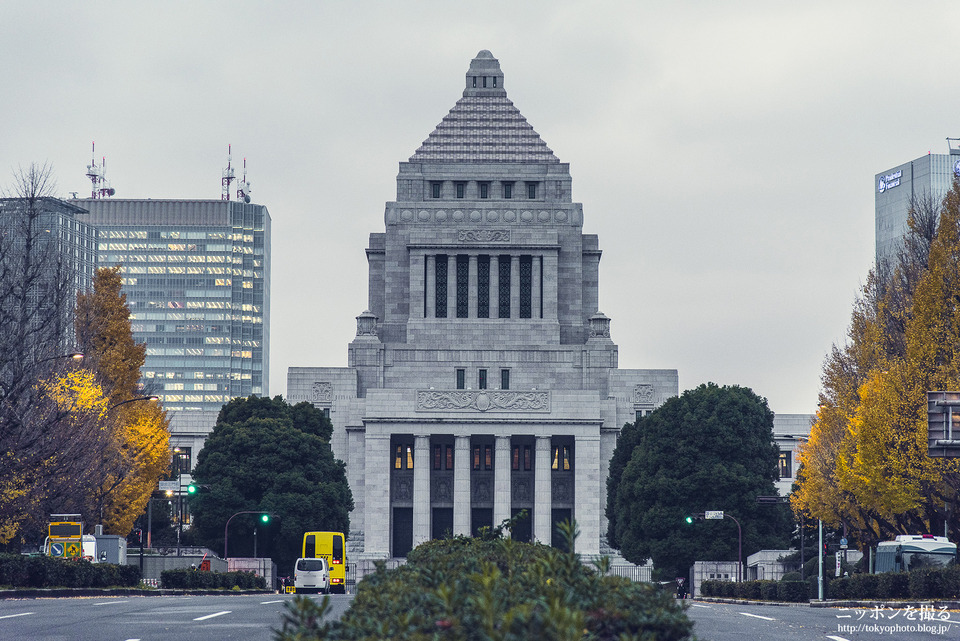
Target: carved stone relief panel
x,y
643,394
442,490
482,401
402,487
562,489
322,392
522,491
483,235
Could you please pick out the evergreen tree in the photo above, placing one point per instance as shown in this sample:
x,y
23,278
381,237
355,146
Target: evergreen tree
x,y
709,449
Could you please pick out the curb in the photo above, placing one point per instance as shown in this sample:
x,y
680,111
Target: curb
x,y
815,603
58,593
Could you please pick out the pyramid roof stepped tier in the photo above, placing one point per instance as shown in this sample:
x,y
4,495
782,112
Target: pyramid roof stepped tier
x,y
484,126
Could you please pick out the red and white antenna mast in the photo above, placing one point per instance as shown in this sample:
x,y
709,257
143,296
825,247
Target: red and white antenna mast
x,y
243,191
228,176
97,175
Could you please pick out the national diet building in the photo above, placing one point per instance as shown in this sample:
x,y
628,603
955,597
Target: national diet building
x,y
483,379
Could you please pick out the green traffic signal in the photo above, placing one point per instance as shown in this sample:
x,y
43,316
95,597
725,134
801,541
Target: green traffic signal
x,y
191,489
265,518
689,519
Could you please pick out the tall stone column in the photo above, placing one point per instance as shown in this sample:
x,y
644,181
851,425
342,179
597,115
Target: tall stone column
x,y
451,285
494,286
421,490
542,492
376,530
501,480
461,486
416,286
472,287
535,290
587,491
515,287
431,286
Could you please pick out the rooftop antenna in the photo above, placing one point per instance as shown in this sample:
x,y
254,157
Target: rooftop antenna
x,y
228,176
243,191
97,175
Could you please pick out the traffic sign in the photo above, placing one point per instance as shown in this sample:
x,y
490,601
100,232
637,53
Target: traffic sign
x,y
843,544
713,515
73,550
169,486
56,549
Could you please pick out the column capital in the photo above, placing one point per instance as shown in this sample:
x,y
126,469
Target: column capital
x,y
503,443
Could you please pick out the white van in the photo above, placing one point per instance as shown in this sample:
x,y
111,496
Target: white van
x,y
311,575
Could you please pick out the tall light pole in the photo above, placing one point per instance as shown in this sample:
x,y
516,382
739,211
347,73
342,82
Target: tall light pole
x,y
264,516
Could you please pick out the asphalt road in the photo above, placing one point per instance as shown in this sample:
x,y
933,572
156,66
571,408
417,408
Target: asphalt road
x,y
150,618
731,622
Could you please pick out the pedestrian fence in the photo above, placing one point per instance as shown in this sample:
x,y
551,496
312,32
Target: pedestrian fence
x,y
640,573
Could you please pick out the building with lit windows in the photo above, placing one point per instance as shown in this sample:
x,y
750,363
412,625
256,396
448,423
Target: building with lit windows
x,y
196,274
925,178
483,380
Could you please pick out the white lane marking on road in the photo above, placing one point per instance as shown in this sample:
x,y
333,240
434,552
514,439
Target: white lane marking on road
x,y
133,639
757,616
836,638
694,605
111,602
210,616
269,602
10,616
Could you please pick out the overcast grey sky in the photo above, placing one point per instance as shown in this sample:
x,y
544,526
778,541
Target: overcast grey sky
x,y
723,151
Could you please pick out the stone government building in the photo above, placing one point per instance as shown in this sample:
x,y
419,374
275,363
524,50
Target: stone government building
x,y
483,379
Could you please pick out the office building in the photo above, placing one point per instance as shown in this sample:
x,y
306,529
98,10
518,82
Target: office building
x,y
925,178
196,274
483,379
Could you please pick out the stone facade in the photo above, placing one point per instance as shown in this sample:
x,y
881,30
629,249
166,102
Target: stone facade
x,y
483,379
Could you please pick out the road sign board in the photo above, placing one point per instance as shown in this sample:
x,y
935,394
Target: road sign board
x,y
169,486
56,549
713,515
72,550
843,544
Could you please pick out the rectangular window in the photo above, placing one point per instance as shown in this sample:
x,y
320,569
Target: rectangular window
x,y
504,286
482,379
532,191
398,458
449,457
483,287
474,82
515,462
463,285
435,189
484,190
476,458
484,82
488,457
437,454
504,379
508,190
494,81
461,378
409,457
440,299
461,189
561,458
526,286
785,465
526,457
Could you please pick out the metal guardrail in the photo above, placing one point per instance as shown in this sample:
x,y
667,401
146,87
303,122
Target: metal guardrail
x,y
637,573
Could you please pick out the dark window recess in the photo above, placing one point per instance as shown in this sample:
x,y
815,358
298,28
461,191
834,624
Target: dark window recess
x,y
484,82
561,459
508,190
474,82
504,379
435,189
463,285
402,531
784,465
461,378
403,457
483,287
484,190
488,457
515,459
441,286
437,457
442,457
494,81
504,286
442,522
461,188
476,458
531,191
527,460
449,456
482,379
526,286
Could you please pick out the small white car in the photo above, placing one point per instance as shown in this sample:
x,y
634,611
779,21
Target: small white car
x,y
311,575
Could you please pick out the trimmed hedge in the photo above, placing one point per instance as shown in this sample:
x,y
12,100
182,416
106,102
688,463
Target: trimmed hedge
x,y
923,583
189,579
18,571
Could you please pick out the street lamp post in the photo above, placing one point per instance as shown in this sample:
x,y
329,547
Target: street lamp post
x,y
261,512
739,548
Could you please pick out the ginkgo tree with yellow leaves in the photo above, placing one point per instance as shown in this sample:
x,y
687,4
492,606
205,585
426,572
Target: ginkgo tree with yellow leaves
x,y
135,454
866,465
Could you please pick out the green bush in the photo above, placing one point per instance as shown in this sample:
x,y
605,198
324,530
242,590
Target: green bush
x,y
768,590
790,576
498,589
837,588
951,582
926,583
793,591
189,579
19,571
863,586
893,585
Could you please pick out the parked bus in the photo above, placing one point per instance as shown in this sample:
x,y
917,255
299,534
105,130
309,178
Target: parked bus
x,y
911,551
331,546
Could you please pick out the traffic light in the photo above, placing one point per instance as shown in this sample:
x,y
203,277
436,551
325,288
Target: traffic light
x,y
264,518
690,518
192,489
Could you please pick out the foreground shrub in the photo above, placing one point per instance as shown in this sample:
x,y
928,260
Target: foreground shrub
x,y
189,579
18,571
496,589
893,585
793,591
